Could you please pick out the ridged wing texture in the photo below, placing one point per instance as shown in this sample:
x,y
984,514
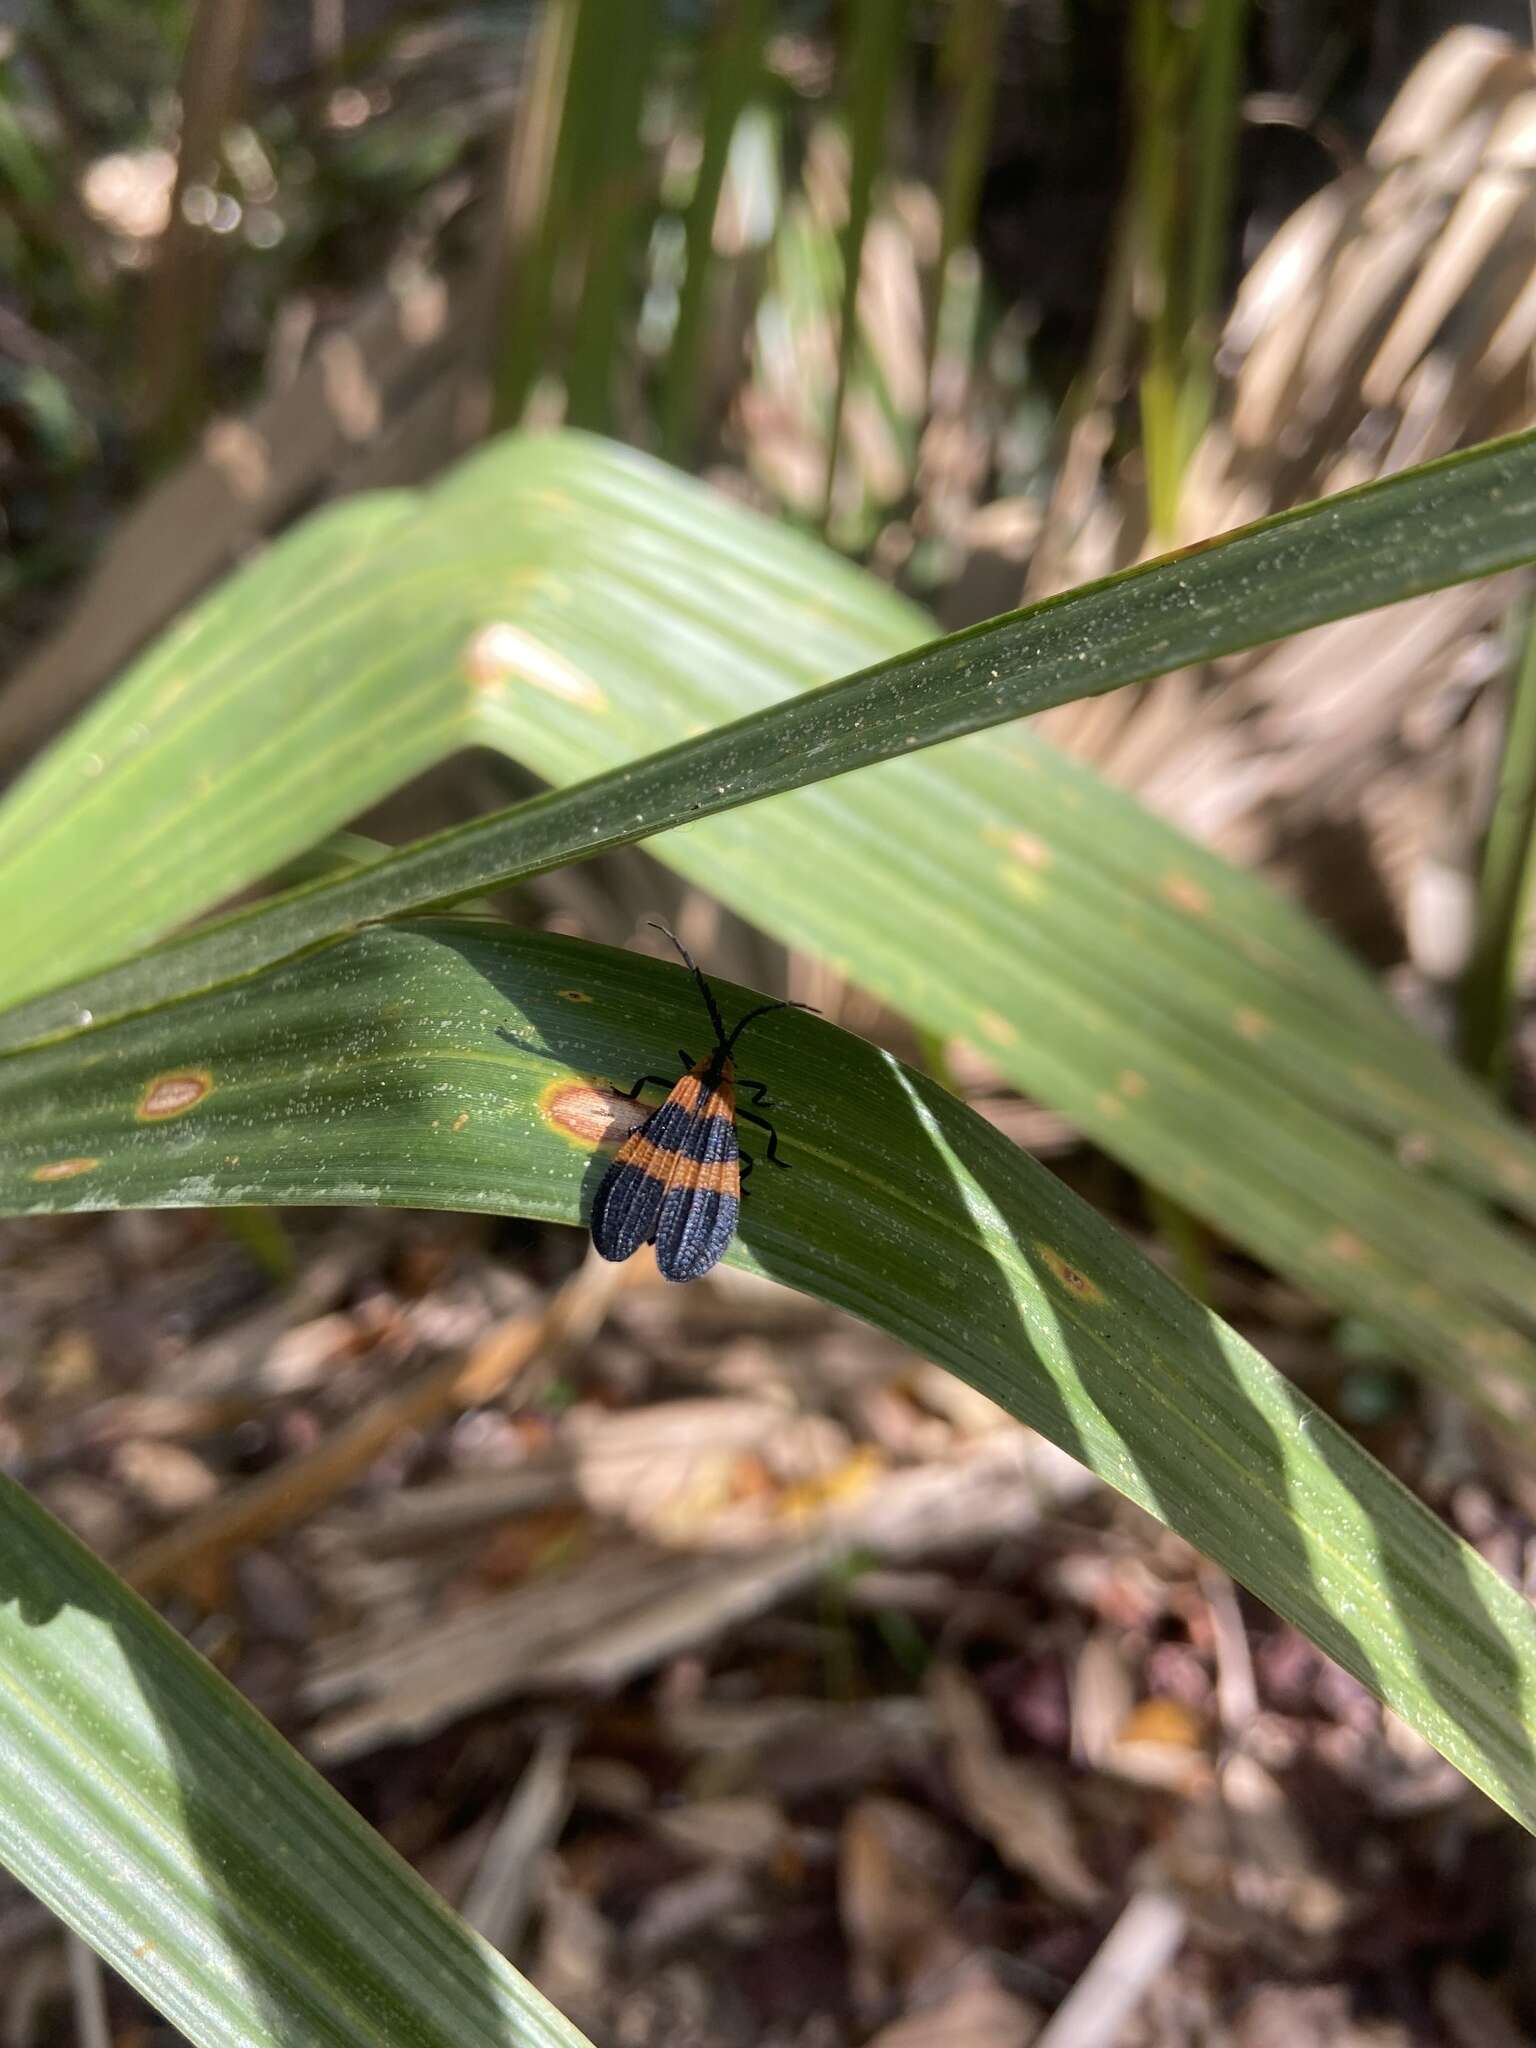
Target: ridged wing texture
x,y
697,1222
675,1183
627,1205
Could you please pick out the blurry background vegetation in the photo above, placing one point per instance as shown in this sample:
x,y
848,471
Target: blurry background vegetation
x,y
328,224
998,295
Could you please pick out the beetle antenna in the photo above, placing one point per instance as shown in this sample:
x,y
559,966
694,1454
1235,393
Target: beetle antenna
x,y
762,1011
705,990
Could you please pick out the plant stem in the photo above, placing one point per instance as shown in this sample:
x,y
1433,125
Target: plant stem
x,y
1488,990
1218,109
532,215
879,38
970,59
1157,67
732,71
608,196
1182,203
181,291
1185,1238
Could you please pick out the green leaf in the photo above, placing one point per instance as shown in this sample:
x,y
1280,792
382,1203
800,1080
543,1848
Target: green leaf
x,y
282,684
611,200
877,43
455,1063
160,1816
731,71
574,605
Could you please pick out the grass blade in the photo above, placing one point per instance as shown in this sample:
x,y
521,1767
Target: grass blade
x,y
1193,1024
160,1817
1467,515
457,1063
874,58
969,65
732,68
1490,986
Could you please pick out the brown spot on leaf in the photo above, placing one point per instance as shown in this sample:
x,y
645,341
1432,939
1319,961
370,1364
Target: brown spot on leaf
x,y
589,1113
64,1169
1185,893
1131,1083
574,995
997,1028
1108,1105
1033,852
461,1120
1191,547
1344,1244
174,1094
1074,1281
1251,1024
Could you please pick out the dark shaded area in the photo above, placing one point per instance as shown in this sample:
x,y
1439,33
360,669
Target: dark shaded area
x,y
1320,74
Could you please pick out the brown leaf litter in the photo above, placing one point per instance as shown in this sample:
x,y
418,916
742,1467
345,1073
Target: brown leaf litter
x,y
738,1672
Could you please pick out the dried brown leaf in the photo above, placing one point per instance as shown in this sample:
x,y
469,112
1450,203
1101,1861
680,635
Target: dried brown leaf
x,y
1017,1806
743,1830
898,1876
976,2013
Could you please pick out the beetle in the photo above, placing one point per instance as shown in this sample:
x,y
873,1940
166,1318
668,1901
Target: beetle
x,y
675,1182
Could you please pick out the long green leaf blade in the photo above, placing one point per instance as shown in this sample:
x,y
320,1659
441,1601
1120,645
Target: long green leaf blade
x,y
454,1062
1467,515
164,1820
1183,1015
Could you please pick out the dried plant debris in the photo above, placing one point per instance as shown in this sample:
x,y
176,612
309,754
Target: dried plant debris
x,y
744,1677
1391,319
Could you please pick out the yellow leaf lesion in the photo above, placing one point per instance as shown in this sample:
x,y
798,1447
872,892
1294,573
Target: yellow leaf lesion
x,y
588,1113
64,1169
169,1095
1185,893
1071,1277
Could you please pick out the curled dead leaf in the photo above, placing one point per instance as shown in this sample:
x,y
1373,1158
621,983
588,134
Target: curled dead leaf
x,y
1016,1805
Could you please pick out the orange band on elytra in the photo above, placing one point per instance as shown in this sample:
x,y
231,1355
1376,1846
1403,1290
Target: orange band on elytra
x,y
715,1176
